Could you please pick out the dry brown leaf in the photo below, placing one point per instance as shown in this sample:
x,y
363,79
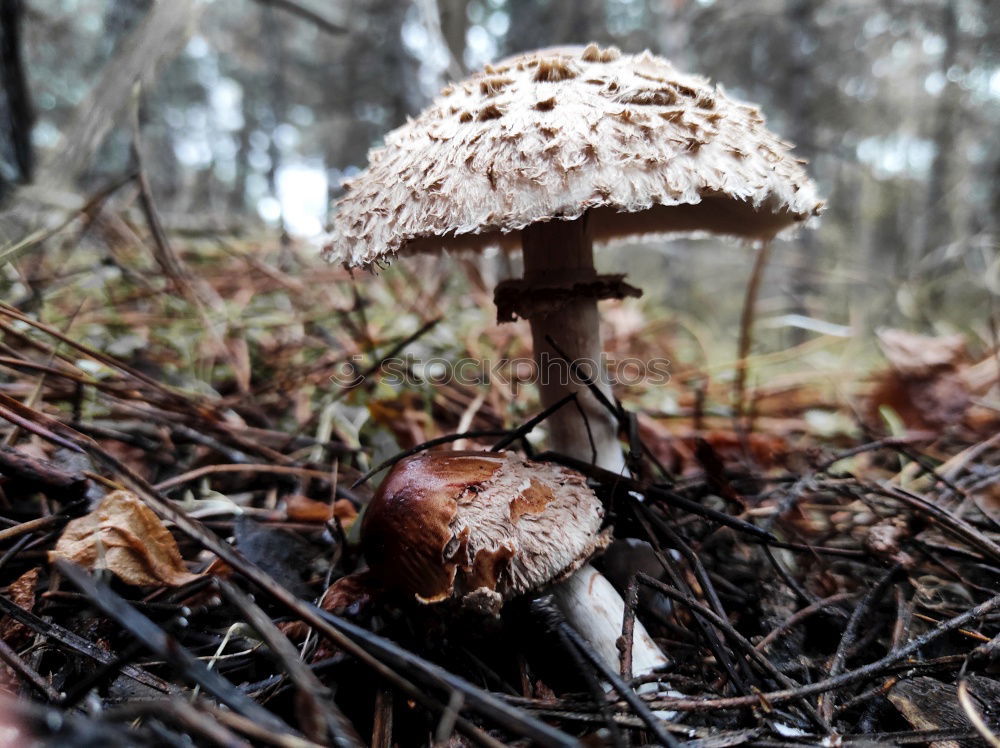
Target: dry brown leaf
x,y
356,591
924,403
344,511
405,416
124,536
303,509
929,704
921,355
350,596
22,593
924,385
678,450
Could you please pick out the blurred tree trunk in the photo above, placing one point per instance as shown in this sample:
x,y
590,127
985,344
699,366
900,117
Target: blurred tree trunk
x,y
534,24
120,17
238,195
993,215
581,22
937,229
403,99
801,110
454,24
157,39
447,22
530,26
674,29
274,38
16,114
375,90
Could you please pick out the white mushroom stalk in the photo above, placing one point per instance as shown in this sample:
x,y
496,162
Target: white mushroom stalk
x,y
596,610
559,295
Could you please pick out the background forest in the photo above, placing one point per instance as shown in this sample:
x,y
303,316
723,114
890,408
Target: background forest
x,y
269,105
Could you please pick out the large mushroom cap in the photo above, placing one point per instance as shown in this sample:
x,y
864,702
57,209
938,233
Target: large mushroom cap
x,y
479,527
552,134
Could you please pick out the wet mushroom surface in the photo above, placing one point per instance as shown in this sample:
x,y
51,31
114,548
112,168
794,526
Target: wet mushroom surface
x,y
479,527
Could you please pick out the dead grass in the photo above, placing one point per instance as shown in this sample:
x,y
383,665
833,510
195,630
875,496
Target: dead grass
x,y
872,597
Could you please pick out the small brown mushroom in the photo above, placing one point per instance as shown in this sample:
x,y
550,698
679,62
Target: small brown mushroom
x,y
481,528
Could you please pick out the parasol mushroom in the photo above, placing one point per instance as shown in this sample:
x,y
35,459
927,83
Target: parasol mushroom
x,y
481,528
549,152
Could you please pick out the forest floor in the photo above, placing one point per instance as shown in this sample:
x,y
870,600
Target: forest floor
x,y
183,429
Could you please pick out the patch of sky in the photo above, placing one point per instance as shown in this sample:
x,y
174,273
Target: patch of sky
x,y
933,44
433,58
302,116
624,16
480,47
302,197
197,47
286,137
897,154
194,152
226,99
497,23
44,134
877,25
935,82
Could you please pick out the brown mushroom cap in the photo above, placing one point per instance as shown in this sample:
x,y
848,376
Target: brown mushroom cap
x,y
481,527
552,134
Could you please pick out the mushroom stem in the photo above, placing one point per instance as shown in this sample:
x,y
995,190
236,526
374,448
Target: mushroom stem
x,y
559,254
595,609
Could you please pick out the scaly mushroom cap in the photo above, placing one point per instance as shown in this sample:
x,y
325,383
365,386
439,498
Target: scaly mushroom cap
x,y
552,134
481,527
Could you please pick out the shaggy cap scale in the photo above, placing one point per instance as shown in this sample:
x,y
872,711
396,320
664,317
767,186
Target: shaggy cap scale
x,y
550,135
